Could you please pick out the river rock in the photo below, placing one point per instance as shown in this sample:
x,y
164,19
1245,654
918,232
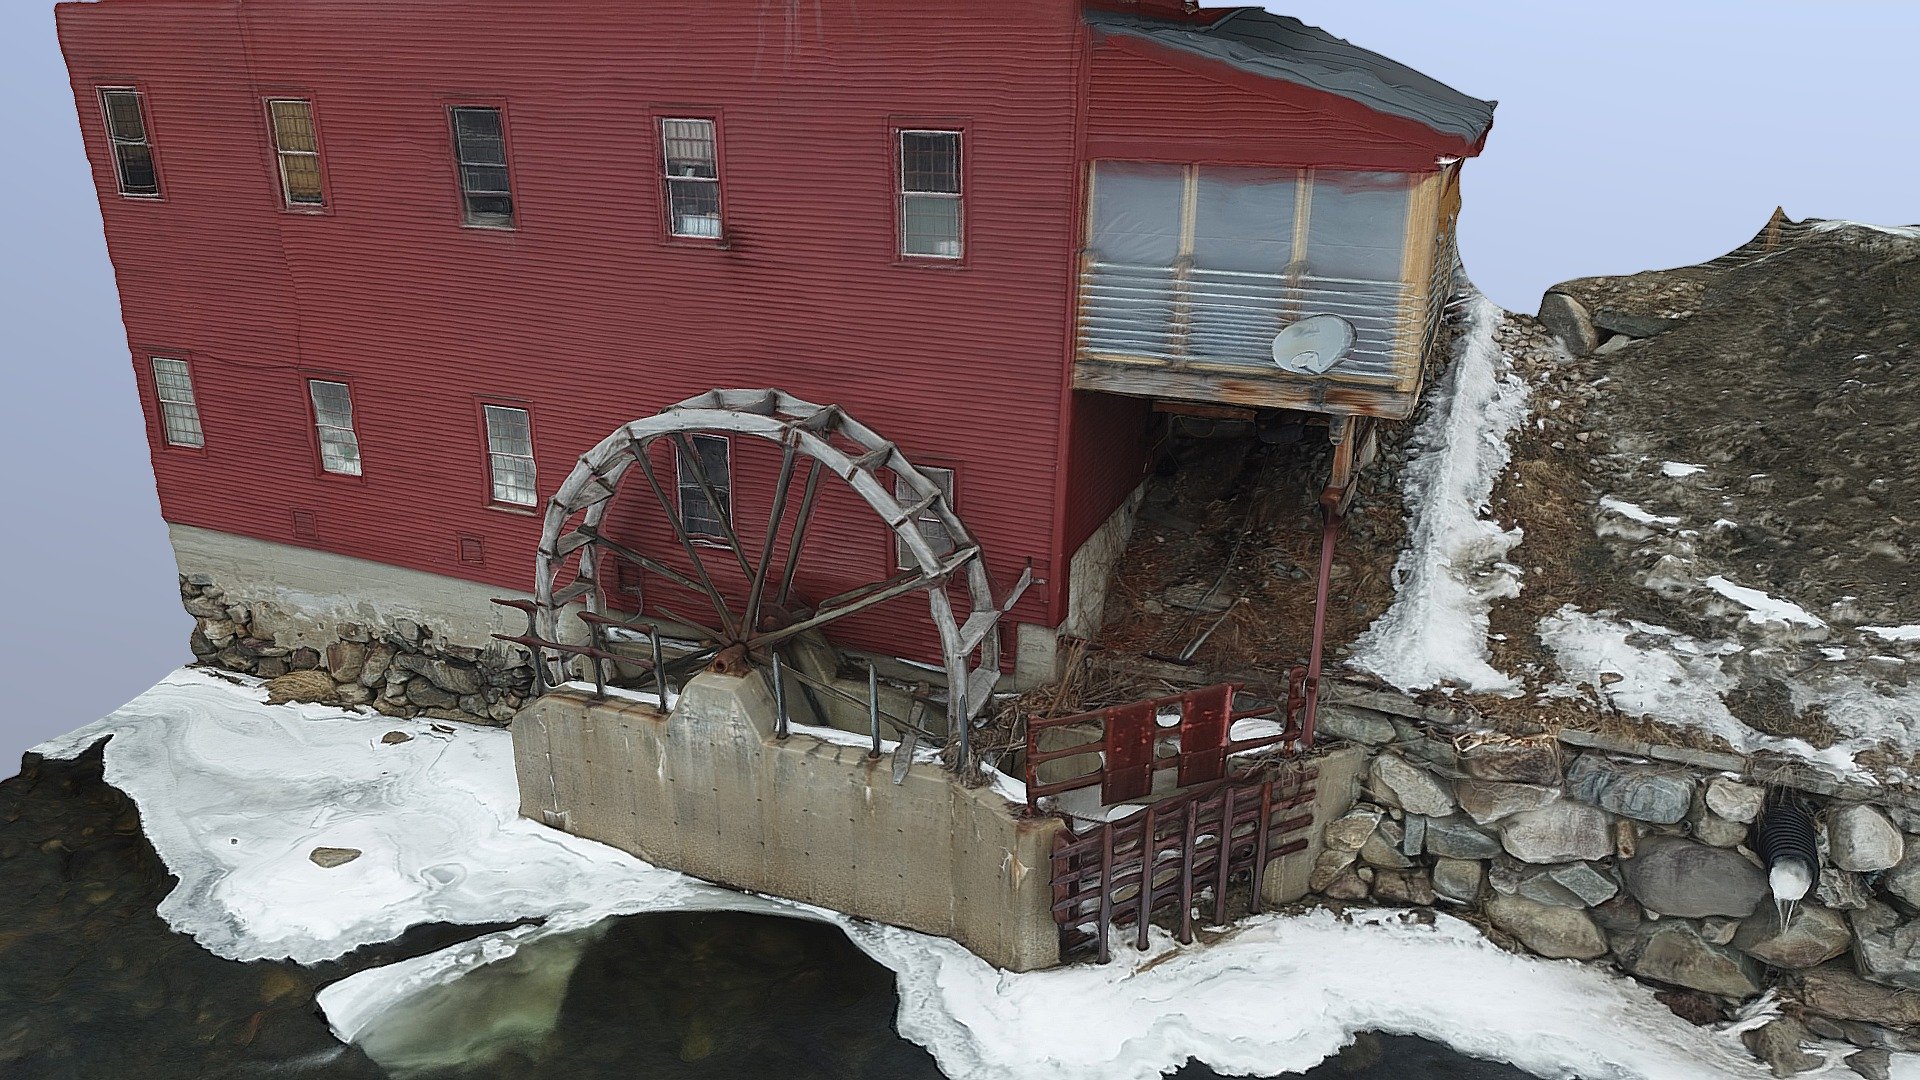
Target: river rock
x,y
1777,1042
1456,838
1884,949
1874,1063
1860,838
1834,990
345,661
1382,849
379,660
1346,885
1351,832
1531,759
1619,915
1488,801
455,679
1842,890
330,857
1678,877
1644,793
1711,829
1903,880
1672,951
1328,866
1559,832
1554,932
1813,936
1403,887
1408,787
1582,880
1734,801
1354,725
1567,319
1459,879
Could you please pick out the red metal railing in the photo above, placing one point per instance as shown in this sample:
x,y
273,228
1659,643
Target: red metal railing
x,y
1132,740
1158,859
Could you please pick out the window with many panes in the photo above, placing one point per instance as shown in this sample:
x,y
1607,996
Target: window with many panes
x,y
929,194
931,528
480,148
691,158
510,455
179,414
706,515
333,418
132,150
298,147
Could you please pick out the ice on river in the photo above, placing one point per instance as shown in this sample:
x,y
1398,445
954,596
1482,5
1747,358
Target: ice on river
x,y
235,793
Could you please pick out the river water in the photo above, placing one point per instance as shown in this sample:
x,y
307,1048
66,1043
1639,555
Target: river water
x,y
93,984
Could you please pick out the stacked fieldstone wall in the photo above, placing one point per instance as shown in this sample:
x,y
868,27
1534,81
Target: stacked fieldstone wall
x,y
1646,865
396,667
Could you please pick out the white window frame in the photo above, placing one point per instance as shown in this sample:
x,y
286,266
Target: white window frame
x,y
947,480
115,142
281,154
177,405
504,494
903,197
331,431
670,180
685,481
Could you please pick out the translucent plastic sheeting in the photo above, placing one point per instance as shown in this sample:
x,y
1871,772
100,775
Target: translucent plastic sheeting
x,y
1219,286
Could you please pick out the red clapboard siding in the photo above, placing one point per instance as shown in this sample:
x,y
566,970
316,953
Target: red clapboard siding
x,y
584,313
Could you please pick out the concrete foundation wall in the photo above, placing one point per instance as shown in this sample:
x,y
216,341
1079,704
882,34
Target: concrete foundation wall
x,y
1092,568
710,791
1340,775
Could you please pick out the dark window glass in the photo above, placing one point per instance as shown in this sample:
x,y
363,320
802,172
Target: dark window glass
x,y
127,132
701,515
481,149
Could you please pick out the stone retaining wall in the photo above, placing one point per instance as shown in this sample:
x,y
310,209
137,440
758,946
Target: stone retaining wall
x,y
1645,865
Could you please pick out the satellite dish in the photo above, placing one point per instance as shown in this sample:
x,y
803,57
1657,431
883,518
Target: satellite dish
x,y
1313,345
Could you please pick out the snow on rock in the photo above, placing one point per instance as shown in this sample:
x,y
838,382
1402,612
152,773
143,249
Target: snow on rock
x,y
1634,512
235,794
1451,570
1893,633
1761,607
1646,670
1676,470
1905,232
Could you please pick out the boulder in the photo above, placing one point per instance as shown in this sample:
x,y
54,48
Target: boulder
x,y
1678,877
1559,832
1582,880
1734,801
1834,990
1408,787
1777,1042
1354,725
1488,801
1382,849
330,857
379,659
346,660
1328,866
1619,915
1873,1063
1861,839
1711,829
1812,936
1903,880
1568,320
1403,887
1459,879
1641,792
1456,838
455,679
1346,885
1672,951
1555,932
1351,832
1842,890
1615,321
1531,759
1885,949
425,694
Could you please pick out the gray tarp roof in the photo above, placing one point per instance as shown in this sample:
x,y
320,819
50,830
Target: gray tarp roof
x,y
1279,47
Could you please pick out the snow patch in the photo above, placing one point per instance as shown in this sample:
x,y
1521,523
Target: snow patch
x,y
1894,633
1677,470
1908,232
1450,572
1634,512
1761,607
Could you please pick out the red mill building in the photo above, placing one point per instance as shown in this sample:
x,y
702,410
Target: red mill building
x,y
435,302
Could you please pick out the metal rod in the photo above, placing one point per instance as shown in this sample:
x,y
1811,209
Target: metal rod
x,y
1225,857
1260,843
873,708
599,666
1328,535
1149,831
659,666
1106,888
1186,871
779,700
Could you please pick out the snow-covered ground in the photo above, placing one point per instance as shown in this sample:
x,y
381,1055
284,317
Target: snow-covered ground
x,y
235,793
1452,568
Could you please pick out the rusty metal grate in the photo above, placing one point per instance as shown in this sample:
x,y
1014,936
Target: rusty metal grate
x,y
1158,860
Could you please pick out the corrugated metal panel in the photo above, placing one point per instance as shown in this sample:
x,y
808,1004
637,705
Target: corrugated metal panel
x,y
583,313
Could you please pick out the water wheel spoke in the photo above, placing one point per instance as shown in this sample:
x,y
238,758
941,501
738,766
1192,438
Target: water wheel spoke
x,y
799,536
671,509
785,485
854,601
648,564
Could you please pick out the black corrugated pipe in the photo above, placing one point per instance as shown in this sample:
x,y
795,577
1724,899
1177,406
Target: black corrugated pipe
x,y
1784,837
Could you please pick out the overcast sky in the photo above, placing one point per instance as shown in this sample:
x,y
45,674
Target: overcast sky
x,y
1630,135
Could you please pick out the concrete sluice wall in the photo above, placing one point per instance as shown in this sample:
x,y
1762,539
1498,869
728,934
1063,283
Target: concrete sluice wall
x,y
708,790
